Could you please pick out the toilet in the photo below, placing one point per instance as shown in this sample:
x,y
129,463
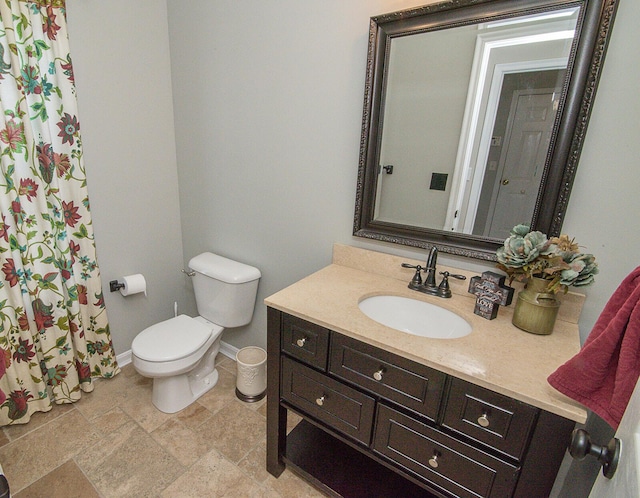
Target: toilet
x,y
180,353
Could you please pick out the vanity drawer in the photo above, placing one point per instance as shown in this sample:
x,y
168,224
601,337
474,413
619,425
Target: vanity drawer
x,y
339,406
305,341
490,418
414,386
449,464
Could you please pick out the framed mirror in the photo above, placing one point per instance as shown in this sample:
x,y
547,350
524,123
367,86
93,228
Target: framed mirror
x,y
475,112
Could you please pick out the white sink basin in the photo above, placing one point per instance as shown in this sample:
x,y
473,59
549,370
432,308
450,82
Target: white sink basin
x,y
415,317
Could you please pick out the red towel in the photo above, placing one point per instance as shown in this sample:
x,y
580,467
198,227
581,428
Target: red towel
x,y
603,374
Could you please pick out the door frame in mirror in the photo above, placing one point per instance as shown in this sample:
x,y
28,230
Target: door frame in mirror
x,y
592,35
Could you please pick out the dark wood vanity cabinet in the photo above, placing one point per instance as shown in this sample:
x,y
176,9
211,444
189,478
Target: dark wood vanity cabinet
x,y
377,424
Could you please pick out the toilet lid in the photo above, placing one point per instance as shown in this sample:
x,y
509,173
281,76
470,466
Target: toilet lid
x,y
171,340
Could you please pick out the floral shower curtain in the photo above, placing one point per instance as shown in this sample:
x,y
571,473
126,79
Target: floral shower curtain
x,y
54,333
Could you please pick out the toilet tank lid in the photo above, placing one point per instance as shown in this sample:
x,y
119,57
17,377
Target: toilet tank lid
x,y
223,269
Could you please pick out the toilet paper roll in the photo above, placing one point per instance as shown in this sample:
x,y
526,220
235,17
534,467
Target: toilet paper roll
x,y
133,284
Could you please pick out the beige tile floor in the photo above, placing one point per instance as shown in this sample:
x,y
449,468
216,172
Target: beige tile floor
x,y
115,443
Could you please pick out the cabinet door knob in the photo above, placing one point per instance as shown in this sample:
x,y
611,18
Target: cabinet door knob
x,y
608,456
483,420
433,461
320,400
378,375
301,342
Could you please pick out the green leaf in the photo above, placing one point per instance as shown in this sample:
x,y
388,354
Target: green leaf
x,y
45,284
82,232
40,111
73,294
40,47
32,234
63,339
9,178
50,277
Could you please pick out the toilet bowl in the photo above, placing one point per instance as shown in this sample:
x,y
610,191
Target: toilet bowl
x,y
180,353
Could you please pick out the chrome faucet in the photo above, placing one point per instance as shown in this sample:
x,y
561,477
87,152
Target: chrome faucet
x,y
429,286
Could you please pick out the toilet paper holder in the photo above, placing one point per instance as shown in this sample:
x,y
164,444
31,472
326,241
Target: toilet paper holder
x,y
129,285
114,285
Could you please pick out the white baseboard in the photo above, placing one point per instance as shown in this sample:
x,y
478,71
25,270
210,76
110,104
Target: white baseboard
x,y
124,358
226,349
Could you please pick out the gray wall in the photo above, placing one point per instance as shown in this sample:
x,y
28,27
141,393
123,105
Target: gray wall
x,y
422,128
604,207
122,71
267,104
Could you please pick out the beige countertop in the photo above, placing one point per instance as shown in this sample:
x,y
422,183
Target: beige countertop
x,y
496,355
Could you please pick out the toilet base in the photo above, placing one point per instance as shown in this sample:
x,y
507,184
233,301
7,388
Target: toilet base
x,y
172,394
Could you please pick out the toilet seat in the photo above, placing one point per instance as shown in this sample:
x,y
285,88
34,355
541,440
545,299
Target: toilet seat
x,y
172,339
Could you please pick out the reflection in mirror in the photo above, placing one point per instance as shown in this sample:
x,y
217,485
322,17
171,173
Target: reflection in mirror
x,y
474,119
468,136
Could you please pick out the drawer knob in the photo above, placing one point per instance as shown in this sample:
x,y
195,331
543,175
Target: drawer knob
x,y
433,461
483,420
320,400
301,342
378,375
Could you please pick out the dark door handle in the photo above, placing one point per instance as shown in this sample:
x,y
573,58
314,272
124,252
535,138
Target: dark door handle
x,y
608,455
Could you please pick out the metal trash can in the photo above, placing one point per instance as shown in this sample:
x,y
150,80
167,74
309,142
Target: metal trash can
x,y
251,381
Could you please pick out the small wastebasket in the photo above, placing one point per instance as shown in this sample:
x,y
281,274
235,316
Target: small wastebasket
x,y
251,381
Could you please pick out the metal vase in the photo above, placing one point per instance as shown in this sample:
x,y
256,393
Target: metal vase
x,y
536,309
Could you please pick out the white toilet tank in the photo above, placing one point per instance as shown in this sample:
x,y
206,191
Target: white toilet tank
x,y
225,289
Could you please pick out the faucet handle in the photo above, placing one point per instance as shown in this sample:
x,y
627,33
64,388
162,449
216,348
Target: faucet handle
x,y
446,275
443,288
416,281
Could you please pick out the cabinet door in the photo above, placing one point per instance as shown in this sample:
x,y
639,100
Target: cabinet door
x,y
490,418
339,406
414,386
446,463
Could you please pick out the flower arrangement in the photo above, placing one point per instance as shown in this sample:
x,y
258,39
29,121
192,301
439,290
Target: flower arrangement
x,y
527,254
